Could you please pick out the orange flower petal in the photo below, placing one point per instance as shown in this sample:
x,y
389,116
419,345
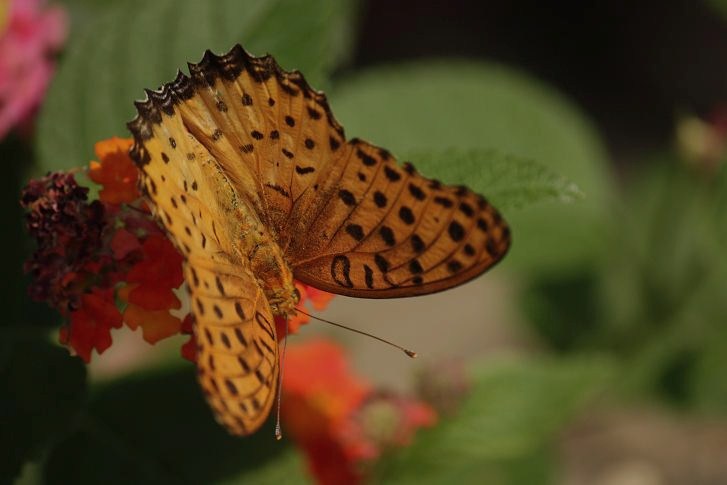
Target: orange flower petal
x,y
110,146
319,299
155,325
115,172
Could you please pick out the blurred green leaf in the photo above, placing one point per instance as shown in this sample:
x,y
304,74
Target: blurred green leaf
x,y
290,468
43,390
438,105
137,45
708,387
514,409
719,5
661,292
156,428
510,182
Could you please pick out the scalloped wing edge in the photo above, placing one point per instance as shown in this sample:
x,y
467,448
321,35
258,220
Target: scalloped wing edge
x,y
211,67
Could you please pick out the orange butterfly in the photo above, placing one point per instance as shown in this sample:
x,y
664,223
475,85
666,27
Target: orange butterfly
x,y
256,184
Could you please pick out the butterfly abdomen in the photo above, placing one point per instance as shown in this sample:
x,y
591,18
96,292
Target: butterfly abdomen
x,y
273,274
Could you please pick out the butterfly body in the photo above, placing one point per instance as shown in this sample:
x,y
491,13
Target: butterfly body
x,y
256,184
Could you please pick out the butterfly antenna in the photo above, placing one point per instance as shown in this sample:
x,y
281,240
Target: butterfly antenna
x,y
408,352
278,430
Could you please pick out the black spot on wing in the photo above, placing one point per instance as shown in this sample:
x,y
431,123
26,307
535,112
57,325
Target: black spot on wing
x,y
341,271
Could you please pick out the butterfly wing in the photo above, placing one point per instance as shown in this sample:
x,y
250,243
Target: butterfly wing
x,y
269,131
349,218
237,349
237,354
385,231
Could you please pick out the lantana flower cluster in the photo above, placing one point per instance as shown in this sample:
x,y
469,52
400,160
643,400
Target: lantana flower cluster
x,y
105,262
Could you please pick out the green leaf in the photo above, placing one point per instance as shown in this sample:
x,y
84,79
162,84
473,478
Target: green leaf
x,y
433,106
513,411
43,390
289,468
156,428
137,45
510,182
662,292
720,6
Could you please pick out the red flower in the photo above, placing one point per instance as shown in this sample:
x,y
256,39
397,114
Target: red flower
x,y
319,299
124,243
319,395
389,421
189,349
116,171
337,419
157,274
90,326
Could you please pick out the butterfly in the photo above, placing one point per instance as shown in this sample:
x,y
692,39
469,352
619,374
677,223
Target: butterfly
x,y
256,184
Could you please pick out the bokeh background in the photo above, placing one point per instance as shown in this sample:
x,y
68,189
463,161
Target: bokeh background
x,y
594,354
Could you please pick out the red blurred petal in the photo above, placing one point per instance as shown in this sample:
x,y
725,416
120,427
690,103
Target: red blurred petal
x,y
157,274
189,349
90,325
154,298
320,394
319,299
320,367
124,243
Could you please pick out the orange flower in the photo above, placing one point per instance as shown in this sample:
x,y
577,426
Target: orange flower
x,y
115,172
90,326
319,300
319,395
318,370
155,325
338,420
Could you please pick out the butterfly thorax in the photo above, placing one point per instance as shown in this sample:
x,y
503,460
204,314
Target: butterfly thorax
x,y
271,270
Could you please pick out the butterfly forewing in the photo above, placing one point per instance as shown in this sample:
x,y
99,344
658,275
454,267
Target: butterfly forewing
x,y
272,134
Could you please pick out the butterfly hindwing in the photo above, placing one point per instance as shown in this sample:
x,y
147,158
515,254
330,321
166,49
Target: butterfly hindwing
x,y
237,353
237,349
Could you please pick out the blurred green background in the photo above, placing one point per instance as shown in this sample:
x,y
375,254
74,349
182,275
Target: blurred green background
x,y
598,348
